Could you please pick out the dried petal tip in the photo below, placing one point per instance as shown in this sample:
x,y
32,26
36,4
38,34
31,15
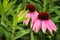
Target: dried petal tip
x,y
30,7
43,16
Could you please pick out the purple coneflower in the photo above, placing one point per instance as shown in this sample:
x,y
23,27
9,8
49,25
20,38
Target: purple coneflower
x,y
32,13
43,22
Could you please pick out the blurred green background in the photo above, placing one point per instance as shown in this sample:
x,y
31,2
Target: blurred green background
x,y
10,8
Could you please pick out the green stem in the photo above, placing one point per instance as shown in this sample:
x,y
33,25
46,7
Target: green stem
x,y
44,9
31,35
12,35
13,31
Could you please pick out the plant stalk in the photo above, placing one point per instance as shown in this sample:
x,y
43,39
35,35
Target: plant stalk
x,y
12,35
44,9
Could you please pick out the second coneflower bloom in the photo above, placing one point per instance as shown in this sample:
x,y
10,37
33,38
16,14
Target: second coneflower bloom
x,y
43,22
32,13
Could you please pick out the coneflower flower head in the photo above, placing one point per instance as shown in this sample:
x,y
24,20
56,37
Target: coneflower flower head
x,y
43,16
30,7
32,12
43,22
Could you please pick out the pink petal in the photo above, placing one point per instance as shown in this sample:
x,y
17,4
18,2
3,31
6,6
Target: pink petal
x,y
26,21
32,23
28,15
37,26
34,17
33,20
49,27
43,26
35,13
53,26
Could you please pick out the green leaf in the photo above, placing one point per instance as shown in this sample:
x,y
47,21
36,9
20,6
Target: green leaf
x,y
25,1
49,37
22,14
19,8
4,29
5,2
58,36
55,19
54,9
21,33
11,12
20,28
3,24
57,12
10,4
36,0
22,19
8,37
22,25
32,36
37,5
1,7
1,34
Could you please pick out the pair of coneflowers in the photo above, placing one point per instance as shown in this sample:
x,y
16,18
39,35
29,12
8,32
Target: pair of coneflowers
x,y
39,20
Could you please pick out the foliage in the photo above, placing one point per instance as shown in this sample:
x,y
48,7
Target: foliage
x,y
11,26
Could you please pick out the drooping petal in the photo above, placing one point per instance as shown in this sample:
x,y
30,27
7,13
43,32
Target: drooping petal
x,y
28,16
53,26
26,21
34,17
49,27
44,26
35,13
33,20
37,26
32,23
